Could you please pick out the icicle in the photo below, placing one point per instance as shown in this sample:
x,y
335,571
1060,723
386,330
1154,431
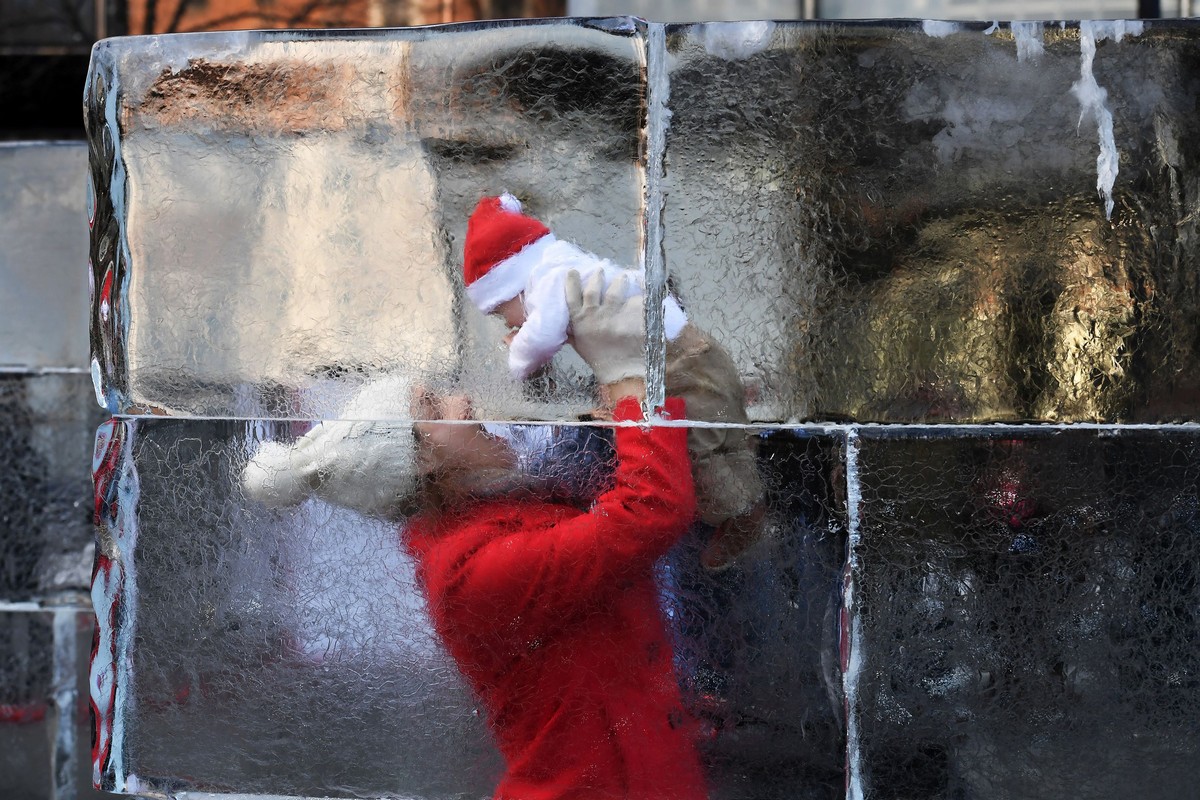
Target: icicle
x,y
852,638
1093,99
1028,36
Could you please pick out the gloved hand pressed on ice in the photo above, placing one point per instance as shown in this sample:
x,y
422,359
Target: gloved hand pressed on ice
x,y
608,329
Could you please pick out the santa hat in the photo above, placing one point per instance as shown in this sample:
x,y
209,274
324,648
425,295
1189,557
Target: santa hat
x,y
502,248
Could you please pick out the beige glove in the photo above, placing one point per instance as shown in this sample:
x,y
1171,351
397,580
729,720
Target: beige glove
x,y
608,329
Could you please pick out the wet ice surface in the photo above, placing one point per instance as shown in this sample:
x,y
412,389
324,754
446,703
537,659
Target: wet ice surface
x,y
898,223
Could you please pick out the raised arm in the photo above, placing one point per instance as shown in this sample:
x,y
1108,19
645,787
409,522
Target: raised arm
x,y
573,561
551,556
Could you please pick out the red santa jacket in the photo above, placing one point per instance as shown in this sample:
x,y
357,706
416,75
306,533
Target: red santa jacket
x,y
552,614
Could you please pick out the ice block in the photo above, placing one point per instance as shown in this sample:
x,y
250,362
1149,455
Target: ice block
x,y
281,215
44,733
43,275
1025,603
271,644
923,221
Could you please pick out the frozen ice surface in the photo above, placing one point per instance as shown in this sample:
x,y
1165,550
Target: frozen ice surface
x,y
296,643
43,255
910,225
757,643
1028,602
282,214
877,222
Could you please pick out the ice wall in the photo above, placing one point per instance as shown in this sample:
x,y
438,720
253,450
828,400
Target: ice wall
x,y
901,223
48,415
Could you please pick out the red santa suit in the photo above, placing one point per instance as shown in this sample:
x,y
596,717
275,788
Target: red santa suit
x,y
552,615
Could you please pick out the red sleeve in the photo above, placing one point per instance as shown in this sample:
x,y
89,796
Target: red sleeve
x,y
573,561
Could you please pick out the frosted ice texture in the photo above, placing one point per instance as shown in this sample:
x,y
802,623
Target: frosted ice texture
x,y
262,262
911,224
307,617
296,643
878,224
1028,607
46,426
911,227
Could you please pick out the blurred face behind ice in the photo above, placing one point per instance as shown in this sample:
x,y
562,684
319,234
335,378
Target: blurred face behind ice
x,y
451,448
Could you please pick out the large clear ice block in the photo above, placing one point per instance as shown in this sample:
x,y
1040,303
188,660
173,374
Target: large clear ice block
x,y
940,222
280,215
294,643
1026,614
289,648
43,262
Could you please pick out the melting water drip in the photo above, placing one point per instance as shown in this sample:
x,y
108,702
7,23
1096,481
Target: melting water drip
x,y
1093,99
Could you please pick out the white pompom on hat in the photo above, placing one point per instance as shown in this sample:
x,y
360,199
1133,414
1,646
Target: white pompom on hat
x,y
352,462
502,247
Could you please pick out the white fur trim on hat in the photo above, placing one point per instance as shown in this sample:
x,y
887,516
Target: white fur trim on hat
x,y
508,279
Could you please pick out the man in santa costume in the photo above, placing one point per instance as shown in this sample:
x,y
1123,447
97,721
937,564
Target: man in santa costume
x,y
515,268
551,611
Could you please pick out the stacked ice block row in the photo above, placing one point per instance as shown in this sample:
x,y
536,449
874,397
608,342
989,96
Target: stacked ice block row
x,y
49,417
902,223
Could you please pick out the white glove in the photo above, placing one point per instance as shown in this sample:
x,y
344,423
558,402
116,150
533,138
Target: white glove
x,y
608,329
366,466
